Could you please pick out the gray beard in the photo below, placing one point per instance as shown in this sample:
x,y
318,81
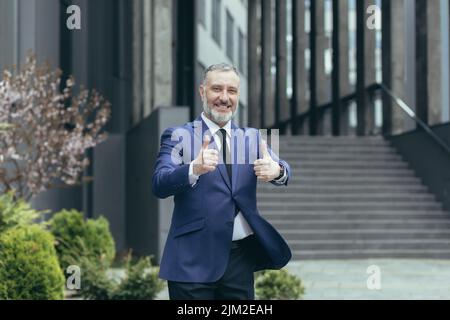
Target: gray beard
x,y
217,117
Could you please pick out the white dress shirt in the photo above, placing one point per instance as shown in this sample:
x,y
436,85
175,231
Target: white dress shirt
x,y
241,228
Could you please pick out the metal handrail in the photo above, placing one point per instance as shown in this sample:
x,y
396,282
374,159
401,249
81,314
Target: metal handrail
x,y
404,106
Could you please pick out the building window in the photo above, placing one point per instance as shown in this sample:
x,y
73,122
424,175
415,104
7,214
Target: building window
x,y
242,47
230,36
216,21
201,9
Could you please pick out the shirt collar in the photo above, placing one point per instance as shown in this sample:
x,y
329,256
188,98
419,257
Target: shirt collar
x,y
213,127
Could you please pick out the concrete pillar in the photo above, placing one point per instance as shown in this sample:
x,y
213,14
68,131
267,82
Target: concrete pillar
x,y
8,34
163,64
344,80
282,106
299,76
370,74
147,56
138,85
398,61
322,42
267,102
38,26
434,62
254,86
421,60
344,48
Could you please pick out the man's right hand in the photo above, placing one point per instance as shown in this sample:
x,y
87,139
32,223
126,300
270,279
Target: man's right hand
x,y
206,160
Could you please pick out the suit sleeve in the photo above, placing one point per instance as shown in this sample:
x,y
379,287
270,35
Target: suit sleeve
x,y
171,175
286,167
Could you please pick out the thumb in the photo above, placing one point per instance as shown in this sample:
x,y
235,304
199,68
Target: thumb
x,y
264,152
206,142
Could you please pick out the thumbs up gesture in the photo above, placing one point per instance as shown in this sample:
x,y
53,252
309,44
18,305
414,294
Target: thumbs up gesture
x,y
206,160
266,169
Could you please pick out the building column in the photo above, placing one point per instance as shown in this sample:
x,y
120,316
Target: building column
x,y
281,109
162,22
267,102
434,76
370,72
299,78
253,62
138,83
397,62
422,60
386,29
361,94
335,87
344,69
8,34
147,58
323,88
319,88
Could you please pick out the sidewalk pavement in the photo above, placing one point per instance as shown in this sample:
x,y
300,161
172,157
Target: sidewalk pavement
x,y
402,279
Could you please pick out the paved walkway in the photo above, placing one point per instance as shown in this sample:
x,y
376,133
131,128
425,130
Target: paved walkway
x,y
399,279
349,279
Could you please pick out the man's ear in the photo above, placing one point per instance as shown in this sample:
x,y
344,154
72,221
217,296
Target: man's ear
x,y
201,90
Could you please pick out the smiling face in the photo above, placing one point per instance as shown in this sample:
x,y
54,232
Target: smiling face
x,y
220,96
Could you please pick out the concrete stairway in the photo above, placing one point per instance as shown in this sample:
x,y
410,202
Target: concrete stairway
x,y
354,198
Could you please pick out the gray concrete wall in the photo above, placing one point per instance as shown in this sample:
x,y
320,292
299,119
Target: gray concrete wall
x,y
38,29
428,159
148,218
109,188
8,34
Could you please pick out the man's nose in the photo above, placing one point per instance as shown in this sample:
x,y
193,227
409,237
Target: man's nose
x,y
224,96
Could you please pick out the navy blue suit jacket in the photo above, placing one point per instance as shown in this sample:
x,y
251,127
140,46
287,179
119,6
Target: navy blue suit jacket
x,y
200,235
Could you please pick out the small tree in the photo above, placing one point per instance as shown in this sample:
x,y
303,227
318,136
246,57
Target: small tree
x,y
44,133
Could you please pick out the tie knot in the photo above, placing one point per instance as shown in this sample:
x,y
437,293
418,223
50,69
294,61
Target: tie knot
x,y
223,132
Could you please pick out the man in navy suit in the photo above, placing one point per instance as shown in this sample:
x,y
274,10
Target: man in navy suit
x,y
217,238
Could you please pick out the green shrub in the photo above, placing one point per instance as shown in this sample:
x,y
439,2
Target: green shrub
x,y
141,282
77,238
278,285
15,213
95,283
29,267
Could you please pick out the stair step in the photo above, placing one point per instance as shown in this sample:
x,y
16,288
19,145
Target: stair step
x,y
300,156
354,171
355,180
326,143
353,216
378,244
337,190
385,197
368,234
337,165
361,224
337,151
339,139
368,254
360,206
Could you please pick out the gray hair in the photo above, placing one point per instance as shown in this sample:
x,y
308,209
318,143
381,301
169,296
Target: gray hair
x,y
219,67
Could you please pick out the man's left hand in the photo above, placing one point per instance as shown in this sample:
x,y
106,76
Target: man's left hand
x,y
266,169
